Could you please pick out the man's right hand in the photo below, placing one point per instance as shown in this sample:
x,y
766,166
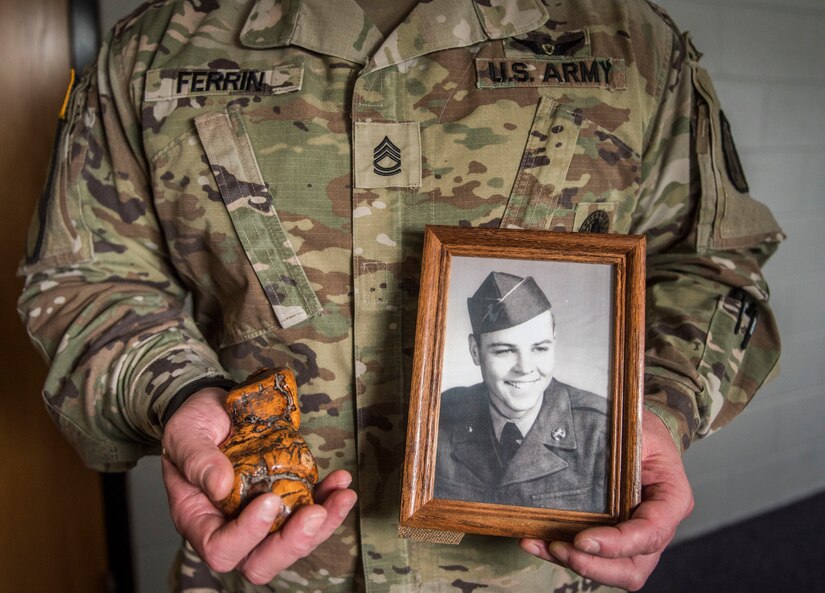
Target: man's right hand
x,y
196,472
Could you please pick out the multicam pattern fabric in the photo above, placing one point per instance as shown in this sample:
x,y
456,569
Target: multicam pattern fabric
x,y
161,258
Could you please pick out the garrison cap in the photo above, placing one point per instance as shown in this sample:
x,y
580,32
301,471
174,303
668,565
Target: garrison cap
x,y
505,300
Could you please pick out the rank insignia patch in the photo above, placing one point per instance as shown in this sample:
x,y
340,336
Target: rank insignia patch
x,y
387,155
386,159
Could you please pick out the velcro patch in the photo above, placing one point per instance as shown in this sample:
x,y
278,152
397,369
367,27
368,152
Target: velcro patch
x,y
166,84
387,155
606,73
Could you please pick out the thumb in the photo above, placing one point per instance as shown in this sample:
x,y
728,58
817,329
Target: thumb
x,y
204,466
189,443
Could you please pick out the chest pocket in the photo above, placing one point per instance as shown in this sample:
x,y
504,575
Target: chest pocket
x,y
252,210
573,176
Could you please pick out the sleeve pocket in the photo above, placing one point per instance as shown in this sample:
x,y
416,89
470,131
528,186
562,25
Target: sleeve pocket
x,y
728,217
58,234
732,370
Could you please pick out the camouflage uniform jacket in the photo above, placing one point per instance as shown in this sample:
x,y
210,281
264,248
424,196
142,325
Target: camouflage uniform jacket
x,y
241,184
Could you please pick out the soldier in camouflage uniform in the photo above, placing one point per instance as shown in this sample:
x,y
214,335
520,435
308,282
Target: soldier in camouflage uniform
x,y
245,183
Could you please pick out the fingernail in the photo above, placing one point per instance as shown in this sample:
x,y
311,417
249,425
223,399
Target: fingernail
x,y
559,551
313,524
588,545
344,511
345,479
208,478
533,549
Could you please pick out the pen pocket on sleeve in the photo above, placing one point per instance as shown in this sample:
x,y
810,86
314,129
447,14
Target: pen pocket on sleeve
x,y
738,357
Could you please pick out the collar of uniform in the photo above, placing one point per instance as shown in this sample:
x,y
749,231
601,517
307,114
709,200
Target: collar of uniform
x,y
347,33
524,424
444,24
537,456
344,32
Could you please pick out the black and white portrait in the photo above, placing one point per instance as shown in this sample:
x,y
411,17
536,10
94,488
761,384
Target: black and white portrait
x,y
525,384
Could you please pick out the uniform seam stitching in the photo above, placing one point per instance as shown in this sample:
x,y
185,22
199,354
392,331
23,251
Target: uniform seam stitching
x,y
458,85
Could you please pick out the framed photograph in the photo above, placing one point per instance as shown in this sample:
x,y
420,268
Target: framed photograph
x,y
525,406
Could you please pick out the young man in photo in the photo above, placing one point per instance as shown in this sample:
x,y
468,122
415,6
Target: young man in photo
x,y
520,437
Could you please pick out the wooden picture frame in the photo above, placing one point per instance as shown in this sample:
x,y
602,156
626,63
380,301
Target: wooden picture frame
x,y
451,256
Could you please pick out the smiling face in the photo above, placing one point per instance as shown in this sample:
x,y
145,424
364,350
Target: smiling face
x,y
517,363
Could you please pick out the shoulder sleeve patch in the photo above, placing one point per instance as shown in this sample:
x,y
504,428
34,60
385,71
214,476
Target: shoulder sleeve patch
x,y
733,165
728,218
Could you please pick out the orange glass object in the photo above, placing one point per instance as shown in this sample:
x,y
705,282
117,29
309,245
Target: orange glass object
x,y
264,445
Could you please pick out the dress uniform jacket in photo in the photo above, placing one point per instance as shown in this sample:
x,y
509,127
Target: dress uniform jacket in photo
x,y
245,183
561,463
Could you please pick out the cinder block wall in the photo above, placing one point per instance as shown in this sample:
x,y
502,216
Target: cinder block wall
x,y
766,60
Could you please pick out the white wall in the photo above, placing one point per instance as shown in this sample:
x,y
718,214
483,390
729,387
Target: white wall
x,y
766,58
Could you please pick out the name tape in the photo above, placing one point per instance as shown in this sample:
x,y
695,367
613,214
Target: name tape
x,y
166,84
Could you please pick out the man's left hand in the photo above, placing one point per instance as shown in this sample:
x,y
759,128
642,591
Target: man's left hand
x,y
625,555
